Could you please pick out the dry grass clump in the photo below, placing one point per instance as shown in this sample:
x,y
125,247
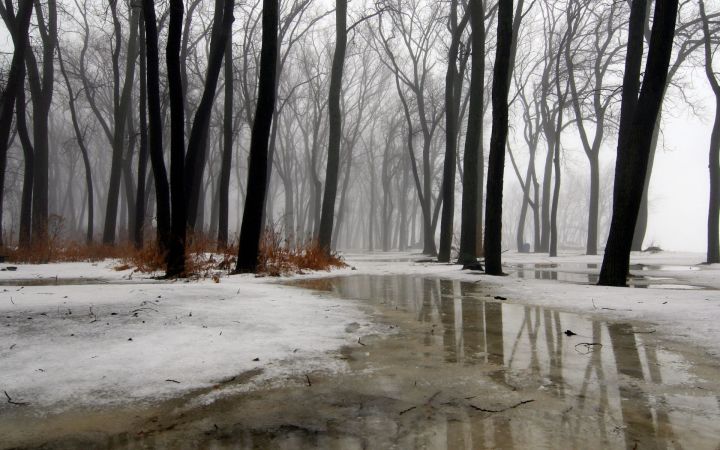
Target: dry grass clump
x,y
280,257
65,252
203,258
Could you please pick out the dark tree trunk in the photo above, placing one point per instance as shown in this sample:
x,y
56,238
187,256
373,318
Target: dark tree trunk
x,y
713,239
197,145
452,112
41,91
498,140
473,144
175,259
327,215
26,202
143,153
79,138
635,134
251,229
155,127
121,113
224,187
15,83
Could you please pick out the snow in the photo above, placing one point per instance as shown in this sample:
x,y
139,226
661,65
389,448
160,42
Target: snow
x,y
122,341
127,339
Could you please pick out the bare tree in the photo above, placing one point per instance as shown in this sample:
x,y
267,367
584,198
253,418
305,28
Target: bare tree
x,y
335,120
637,120
496,163
251,229
18,27
713,239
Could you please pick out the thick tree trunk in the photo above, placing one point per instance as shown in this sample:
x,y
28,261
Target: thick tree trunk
x,y
473,144
251,229
635,134
225,165
175,259
713,237
498,140
41,91
327,215
155,128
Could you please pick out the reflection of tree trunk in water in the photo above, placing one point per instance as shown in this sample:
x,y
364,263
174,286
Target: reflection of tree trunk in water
x,y
636,413
532,339
447,317
664,429
471,324
594,364
494,339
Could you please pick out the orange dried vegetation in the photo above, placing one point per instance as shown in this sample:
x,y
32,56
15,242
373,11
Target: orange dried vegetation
x,y
277,257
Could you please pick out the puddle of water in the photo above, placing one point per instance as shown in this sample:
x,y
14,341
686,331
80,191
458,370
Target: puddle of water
x,y
461,371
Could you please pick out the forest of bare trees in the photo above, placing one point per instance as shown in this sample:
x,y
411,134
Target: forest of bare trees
x,y
460,128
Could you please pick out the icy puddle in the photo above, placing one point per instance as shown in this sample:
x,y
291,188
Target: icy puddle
x,y
461,369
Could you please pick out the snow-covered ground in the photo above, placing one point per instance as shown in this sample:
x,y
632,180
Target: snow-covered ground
x,y
131,338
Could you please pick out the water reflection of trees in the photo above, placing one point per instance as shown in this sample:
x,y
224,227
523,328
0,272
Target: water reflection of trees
x,y
602,384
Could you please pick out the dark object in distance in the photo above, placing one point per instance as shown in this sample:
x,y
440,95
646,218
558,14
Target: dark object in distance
x,y
500,297
570,333
473,266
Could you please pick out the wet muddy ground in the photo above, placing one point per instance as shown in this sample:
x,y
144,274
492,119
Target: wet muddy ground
x,y
461,368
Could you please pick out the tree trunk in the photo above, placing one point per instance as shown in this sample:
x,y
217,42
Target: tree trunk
x,y
473,145
28,152
143,153
452,104
335,126
592,235
41,91
251,229
225,166
155,128
713,239
15,83
175,258
197,145
635,134
121,113
498,140
79,138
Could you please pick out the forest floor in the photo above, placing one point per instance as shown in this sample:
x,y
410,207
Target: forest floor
x,y
391,351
